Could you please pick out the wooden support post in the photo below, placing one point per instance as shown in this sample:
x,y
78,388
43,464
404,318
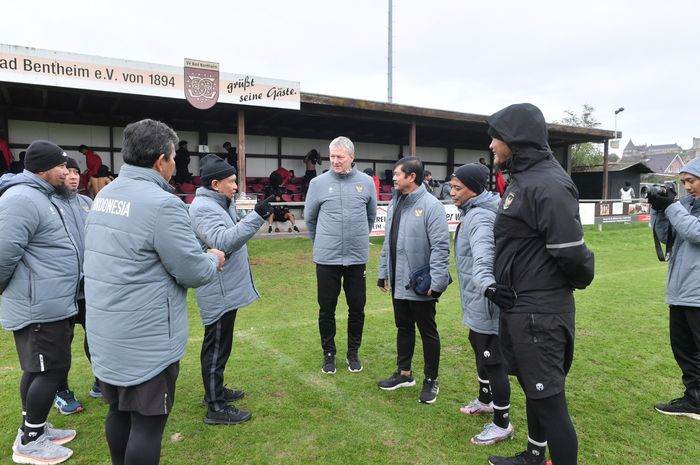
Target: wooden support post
x,y
240,135
412,140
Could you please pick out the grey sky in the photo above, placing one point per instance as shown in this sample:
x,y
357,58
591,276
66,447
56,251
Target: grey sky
x,y
474,57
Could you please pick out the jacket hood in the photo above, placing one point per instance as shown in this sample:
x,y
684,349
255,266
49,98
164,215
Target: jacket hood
x,y
9,179
523,128
693,167
140,173
219,198
487,200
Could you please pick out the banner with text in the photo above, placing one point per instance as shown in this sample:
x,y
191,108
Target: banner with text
x,y
451,211
51,68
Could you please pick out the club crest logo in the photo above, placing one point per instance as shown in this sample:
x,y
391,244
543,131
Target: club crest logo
x,y
201,83
487,354
419,212
508,201
539,386
359,188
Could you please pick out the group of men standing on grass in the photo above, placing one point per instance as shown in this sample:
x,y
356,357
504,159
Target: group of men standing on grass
x,y
140,249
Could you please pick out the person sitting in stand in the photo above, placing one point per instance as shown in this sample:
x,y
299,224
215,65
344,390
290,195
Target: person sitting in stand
x,y
281,214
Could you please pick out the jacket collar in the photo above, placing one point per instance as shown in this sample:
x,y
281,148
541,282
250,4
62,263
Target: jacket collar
x,y
350,173
217,197
414,196
26,178
140,173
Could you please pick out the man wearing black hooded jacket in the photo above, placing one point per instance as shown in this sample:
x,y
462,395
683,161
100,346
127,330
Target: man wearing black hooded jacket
x,y
540,258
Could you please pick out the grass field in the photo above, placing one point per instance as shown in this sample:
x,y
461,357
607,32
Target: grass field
x,y
623,365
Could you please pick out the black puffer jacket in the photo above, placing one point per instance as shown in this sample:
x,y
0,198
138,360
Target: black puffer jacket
x,y
540,250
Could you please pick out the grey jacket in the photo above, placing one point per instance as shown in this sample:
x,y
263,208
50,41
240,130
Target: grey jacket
x,y
75,208
216,225
140,256
39,264
339,212
682,284
474,250
423,239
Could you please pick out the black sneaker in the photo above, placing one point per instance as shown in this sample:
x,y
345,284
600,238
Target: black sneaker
x,y
269,229
228,415
230,395
354,363
523,458
430,390
679,407
328,364
395,381
295,228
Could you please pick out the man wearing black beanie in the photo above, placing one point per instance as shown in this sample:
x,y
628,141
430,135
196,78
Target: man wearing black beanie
x,y
473,250
538,229
35,247
215,220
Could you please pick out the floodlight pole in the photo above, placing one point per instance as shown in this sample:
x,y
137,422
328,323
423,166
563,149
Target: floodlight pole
x,y
390,56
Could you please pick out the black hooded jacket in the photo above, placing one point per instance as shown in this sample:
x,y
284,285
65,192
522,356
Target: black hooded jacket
x,y
540,250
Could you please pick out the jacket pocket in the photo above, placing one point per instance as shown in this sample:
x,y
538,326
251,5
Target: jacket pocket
x,y
170,320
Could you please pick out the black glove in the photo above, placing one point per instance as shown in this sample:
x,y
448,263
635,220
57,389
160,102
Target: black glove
x,y
661,202
501,295
264,209
435,294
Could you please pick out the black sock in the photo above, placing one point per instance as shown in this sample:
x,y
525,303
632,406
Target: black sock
x,y
32,432
536,450
484,391
501,415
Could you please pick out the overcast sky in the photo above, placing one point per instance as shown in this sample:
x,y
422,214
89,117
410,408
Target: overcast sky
x,y
467,56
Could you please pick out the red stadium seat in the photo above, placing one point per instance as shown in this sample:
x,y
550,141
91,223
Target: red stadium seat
x,y
384,197
187,188
386,188
296,197
197,181
189,198
286,198
293,188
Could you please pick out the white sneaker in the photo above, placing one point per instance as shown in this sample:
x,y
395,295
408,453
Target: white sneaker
x,y
493,434
40,452
477,408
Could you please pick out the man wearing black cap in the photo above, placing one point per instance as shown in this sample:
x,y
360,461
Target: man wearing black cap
x,y
540,259
38,295
474,261
215,220
74,208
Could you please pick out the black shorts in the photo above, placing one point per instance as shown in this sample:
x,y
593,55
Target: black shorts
x,y
153,397
44,346
79,318
487,348
539,349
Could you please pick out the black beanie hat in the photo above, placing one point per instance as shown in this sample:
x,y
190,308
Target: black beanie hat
x,y
473,175
72,163
43,155
214,167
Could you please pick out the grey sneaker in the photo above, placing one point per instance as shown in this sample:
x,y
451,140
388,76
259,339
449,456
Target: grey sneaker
x,y
493,433
40,451
354,363
328,364
58,436
395,381
18,438
477,408
430,390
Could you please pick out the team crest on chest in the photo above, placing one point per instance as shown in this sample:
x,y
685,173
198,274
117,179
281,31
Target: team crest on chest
x,y
359,188
419,212
508,201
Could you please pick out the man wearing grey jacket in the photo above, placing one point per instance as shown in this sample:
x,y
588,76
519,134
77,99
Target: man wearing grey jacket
x,y
39,275
141,255
340,210
74,208
215,220
416,237
474,251
679,223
